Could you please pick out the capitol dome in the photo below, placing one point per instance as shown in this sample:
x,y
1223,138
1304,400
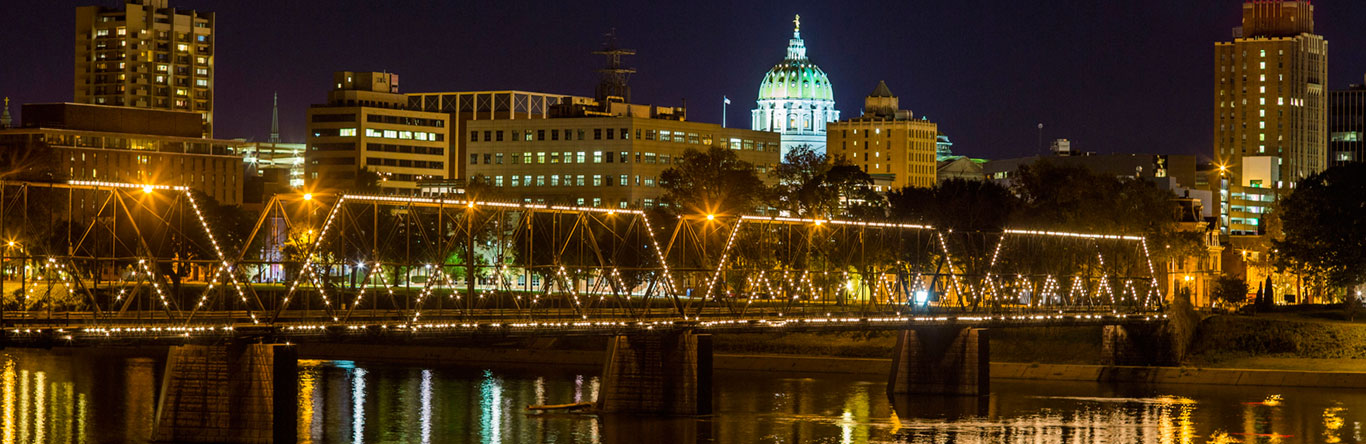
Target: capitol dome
x,y
796,79
795,99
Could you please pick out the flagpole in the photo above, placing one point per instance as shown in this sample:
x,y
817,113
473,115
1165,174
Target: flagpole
x,y
724,103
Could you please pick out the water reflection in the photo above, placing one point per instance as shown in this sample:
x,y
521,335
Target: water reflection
x,y
80,397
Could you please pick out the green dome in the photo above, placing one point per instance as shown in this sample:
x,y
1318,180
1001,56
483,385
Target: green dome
x,y
796,79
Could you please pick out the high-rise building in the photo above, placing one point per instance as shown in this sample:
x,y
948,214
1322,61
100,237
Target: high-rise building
x,y
146,55
887,140
795,99
1347,125
366,127
1270,101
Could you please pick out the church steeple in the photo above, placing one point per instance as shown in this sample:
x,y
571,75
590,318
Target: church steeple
x,y
5,120
275,120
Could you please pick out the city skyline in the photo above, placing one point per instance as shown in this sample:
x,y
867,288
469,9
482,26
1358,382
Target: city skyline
x,y
1141,90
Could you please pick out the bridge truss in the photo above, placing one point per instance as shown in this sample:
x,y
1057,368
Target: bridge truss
x,y
117,259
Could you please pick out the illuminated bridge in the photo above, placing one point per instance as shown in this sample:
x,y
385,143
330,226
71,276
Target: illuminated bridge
x,y
95,263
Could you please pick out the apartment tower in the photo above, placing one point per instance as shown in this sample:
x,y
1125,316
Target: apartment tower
x,y
146,55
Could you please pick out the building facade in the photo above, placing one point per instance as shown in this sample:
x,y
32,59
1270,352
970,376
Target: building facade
x,y
367,138
888,140
602,161
119,144
463,107
1270,100
146,55
796,99
1347,125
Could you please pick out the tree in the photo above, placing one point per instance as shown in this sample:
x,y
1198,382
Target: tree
x,y
1072,198
1229,289
956,204
812,184
712,181
1324,226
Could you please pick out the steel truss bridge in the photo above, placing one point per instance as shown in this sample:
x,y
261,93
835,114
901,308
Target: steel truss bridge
x,y
98,261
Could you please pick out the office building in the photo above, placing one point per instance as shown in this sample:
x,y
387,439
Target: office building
x,y
119,144
1347,125
366,138
465,106
888,140
599,154
795,99
146,55
1270,101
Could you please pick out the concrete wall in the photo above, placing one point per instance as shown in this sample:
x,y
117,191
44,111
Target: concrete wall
x,y
941,361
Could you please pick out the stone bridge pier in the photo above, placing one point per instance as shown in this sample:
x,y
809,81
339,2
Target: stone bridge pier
x,y
237,393
668,374
1137,345
946,360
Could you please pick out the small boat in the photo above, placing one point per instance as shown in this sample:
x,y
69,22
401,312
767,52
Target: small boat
x,y
574,406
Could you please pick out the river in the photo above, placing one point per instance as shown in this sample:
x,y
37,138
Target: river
x,y
60,397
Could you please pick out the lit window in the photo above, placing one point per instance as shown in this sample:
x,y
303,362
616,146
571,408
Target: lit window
x,y
122,31
406,135
182,47
346,132
390,134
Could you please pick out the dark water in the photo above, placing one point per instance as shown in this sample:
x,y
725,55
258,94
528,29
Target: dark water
x,y
57,397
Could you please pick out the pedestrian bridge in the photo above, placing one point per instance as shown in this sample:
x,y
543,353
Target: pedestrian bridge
x,y
97,261
109,264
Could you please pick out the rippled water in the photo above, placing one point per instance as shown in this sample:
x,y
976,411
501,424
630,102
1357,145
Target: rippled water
x,y
88,397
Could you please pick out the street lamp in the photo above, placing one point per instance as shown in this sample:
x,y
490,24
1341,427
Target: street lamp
x,y
711,217
146,189
308,196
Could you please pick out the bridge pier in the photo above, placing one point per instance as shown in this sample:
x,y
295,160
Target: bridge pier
x,y
941,361
1136,345
229,394
667,374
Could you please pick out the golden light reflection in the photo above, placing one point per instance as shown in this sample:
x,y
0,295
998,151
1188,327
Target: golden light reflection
x,y
1332,424
23,405
8,380
39,406
308,385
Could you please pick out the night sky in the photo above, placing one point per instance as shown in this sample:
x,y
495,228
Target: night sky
x,y
1112,76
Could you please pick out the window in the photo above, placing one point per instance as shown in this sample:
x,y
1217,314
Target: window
x,y
649,157
579,180
555,157
474,136
540,135
540,157
581,157
498,136
665,136
540,181
597,133
625,134
554,180
554,135
474,159
516,181
498,159
610,134
347,132
498,181
597,180
623,180
597,156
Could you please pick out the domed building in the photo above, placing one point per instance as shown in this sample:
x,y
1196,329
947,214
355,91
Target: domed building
x,y
795,99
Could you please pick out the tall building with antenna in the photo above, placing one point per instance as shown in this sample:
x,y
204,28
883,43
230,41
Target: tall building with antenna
x,y
1270,109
